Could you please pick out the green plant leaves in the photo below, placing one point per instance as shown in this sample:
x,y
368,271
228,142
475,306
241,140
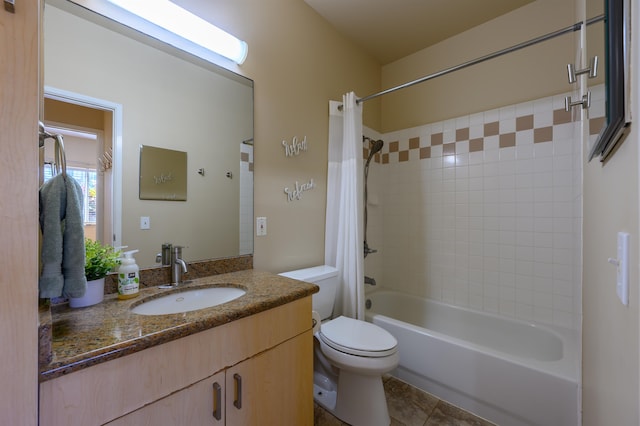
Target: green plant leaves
x,y
99,259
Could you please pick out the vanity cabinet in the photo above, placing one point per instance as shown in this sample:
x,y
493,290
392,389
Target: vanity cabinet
x,y
190,406
262,363
264,389
275,398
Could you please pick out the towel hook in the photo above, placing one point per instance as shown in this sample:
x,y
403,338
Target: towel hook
x,y
60,156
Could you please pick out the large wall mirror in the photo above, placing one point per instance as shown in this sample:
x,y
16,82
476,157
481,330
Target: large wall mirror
x,y
610,40
109,90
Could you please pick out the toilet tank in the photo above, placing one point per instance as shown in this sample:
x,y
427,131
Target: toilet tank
x,y
325,277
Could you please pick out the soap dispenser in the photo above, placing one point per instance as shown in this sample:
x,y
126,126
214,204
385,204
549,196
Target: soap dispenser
x,y
128,276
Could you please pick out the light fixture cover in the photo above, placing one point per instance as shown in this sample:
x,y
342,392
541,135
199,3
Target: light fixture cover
x,y
185,24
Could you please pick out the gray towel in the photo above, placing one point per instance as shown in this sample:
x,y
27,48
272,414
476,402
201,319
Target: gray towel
x,y
63,253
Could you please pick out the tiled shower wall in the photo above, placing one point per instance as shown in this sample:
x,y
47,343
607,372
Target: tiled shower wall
x,y
484,211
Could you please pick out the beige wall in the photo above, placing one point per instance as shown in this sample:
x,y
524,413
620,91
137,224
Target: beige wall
x,y
61,112
610,330
531,73
298,63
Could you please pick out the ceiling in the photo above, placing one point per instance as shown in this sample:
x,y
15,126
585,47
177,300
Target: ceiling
x,y
392,29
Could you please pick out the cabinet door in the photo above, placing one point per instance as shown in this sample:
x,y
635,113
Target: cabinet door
x,y
274,387
199,404
20,39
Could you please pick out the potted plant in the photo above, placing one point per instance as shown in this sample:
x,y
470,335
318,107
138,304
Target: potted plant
x,y
100,259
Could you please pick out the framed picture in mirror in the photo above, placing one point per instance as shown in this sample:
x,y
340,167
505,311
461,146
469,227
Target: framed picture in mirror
x,y
163,174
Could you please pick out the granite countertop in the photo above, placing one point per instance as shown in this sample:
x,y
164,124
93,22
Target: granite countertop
x,y
84,337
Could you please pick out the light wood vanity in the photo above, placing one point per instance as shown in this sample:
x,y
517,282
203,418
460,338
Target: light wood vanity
x,y
248,371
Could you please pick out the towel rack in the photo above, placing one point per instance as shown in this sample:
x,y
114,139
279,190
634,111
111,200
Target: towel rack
x,y
43,134
60,156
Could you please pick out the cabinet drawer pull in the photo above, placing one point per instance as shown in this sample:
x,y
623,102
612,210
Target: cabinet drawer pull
x,y
237,397
217,401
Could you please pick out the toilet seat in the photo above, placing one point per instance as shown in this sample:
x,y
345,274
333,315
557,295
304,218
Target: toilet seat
x,y
358,338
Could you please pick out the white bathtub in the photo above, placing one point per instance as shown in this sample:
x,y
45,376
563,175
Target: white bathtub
x,y
507,371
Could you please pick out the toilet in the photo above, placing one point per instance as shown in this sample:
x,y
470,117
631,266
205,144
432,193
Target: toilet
x,y
350,356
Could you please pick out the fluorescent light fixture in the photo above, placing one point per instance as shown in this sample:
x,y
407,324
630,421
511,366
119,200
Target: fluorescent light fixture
x,y
185,24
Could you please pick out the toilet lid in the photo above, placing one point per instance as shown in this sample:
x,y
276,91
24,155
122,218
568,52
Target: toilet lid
x,y
358,337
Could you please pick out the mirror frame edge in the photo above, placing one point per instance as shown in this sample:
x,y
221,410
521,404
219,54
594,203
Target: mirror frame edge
x,y
617,33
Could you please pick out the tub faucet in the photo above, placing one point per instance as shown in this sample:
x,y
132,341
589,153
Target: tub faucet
x,y
369,280
178,266
368,250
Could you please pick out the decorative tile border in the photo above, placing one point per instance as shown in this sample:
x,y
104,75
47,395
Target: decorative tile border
x,y
523,123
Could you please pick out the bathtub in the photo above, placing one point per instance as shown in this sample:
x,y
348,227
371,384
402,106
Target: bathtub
x,y
507,371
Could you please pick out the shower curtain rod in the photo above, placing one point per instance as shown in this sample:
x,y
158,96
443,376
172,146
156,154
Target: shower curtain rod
x,y
571,28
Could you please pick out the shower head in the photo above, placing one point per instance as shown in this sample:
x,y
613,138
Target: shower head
x,y
374,147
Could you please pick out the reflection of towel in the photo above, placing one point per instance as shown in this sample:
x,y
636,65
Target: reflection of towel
x,y
62,253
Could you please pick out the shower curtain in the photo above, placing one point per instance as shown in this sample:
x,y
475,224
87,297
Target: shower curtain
x,y
344,244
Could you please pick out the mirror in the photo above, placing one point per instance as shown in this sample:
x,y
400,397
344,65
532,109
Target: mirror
x,y
130,90
611,41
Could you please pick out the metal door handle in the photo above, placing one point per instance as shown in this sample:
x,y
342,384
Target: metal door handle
x,y
217,401
237,393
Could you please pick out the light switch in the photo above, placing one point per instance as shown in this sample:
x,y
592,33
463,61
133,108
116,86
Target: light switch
x,y
261,226
145,222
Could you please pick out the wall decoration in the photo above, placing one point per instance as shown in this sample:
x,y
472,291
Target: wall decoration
x,y
163,174
295,147
296,193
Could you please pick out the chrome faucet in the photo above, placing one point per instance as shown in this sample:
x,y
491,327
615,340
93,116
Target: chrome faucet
x,y
369,280
178,266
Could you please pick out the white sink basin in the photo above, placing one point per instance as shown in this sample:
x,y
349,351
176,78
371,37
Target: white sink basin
x,y
188,300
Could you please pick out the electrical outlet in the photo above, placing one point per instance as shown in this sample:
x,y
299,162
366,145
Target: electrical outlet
x,y
261,226
145,222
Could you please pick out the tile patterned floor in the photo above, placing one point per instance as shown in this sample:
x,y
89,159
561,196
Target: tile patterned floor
x,y
409,406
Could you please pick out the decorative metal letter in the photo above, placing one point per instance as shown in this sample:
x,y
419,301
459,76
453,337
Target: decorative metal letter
x,y
296,193
295,147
